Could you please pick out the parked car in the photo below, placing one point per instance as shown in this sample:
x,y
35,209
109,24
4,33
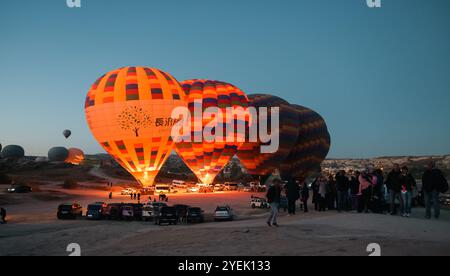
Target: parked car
x,y
114,211
445,199
218,188
128,191
179,184
249,189
258,202
70,211
161,189
137,210
206,189
229,186
20,189
147,213
151,211
168,215
97,211
223,213
195,215
193,190
127,212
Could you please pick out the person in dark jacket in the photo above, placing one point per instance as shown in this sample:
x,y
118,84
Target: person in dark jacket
x,y
331,194
316,196
305,196
2,215
354,190
394,186
274,198
293,194
342,187
378,195
408,184
433,182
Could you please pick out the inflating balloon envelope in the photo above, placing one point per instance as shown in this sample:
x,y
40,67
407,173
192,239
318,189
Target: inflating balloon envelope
x,y
206,158
312,146
251,154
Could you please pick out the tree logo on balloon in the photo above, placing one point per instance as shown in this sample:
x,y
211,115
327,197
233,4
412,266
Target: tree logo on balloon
x,y
134,118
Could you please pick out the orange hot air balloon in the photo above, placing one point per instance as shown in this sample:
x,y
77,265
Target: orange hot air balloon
x,y
76,156
129,111
206,159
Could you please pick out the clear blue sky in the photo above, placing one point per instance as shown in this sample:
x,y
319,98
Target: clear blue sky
x,y
380,77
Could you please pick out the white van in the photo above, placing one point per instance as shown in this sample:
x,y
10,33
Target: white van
x,y
162,189
180,184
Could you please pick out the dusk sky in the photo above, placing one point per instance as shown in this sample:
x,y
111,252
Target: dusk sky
x,y
380,77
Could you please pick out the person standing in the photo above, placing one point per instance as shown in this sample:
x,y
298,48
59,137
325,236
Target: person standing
x,y
354,190
2,215
342,187
433,182
305,196
273,198
110,195
365,191
293,194
316,196
323,185
378,197
394,186
331,193
408,184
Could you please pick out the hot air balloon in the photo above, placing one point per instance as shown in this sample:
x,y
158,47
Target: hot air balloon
x,y
13,151
129,112
67,133
312,146
250,153
58,154
75,157
207,158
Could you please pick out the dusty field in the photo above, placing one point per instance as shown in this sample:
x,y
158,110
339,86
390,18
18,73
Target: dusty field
x,y
34,230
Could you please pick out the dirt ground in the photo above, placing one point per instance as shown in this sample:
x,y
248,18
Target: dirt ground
x,y
34,230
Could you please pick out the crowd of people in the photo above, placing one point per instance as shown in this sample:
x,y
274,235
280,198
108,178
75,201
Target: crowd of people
x,y
368,191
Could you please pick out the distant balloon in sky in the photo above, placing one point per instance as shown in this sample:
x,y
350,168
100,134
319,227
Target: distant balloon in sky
x,y
13,151
250,154
129,112
75,157
67,133
312,146
207,158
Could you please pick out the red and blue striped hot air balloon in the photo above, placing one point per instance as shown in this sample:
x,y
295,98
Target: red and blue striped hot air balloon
x,y
207,158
